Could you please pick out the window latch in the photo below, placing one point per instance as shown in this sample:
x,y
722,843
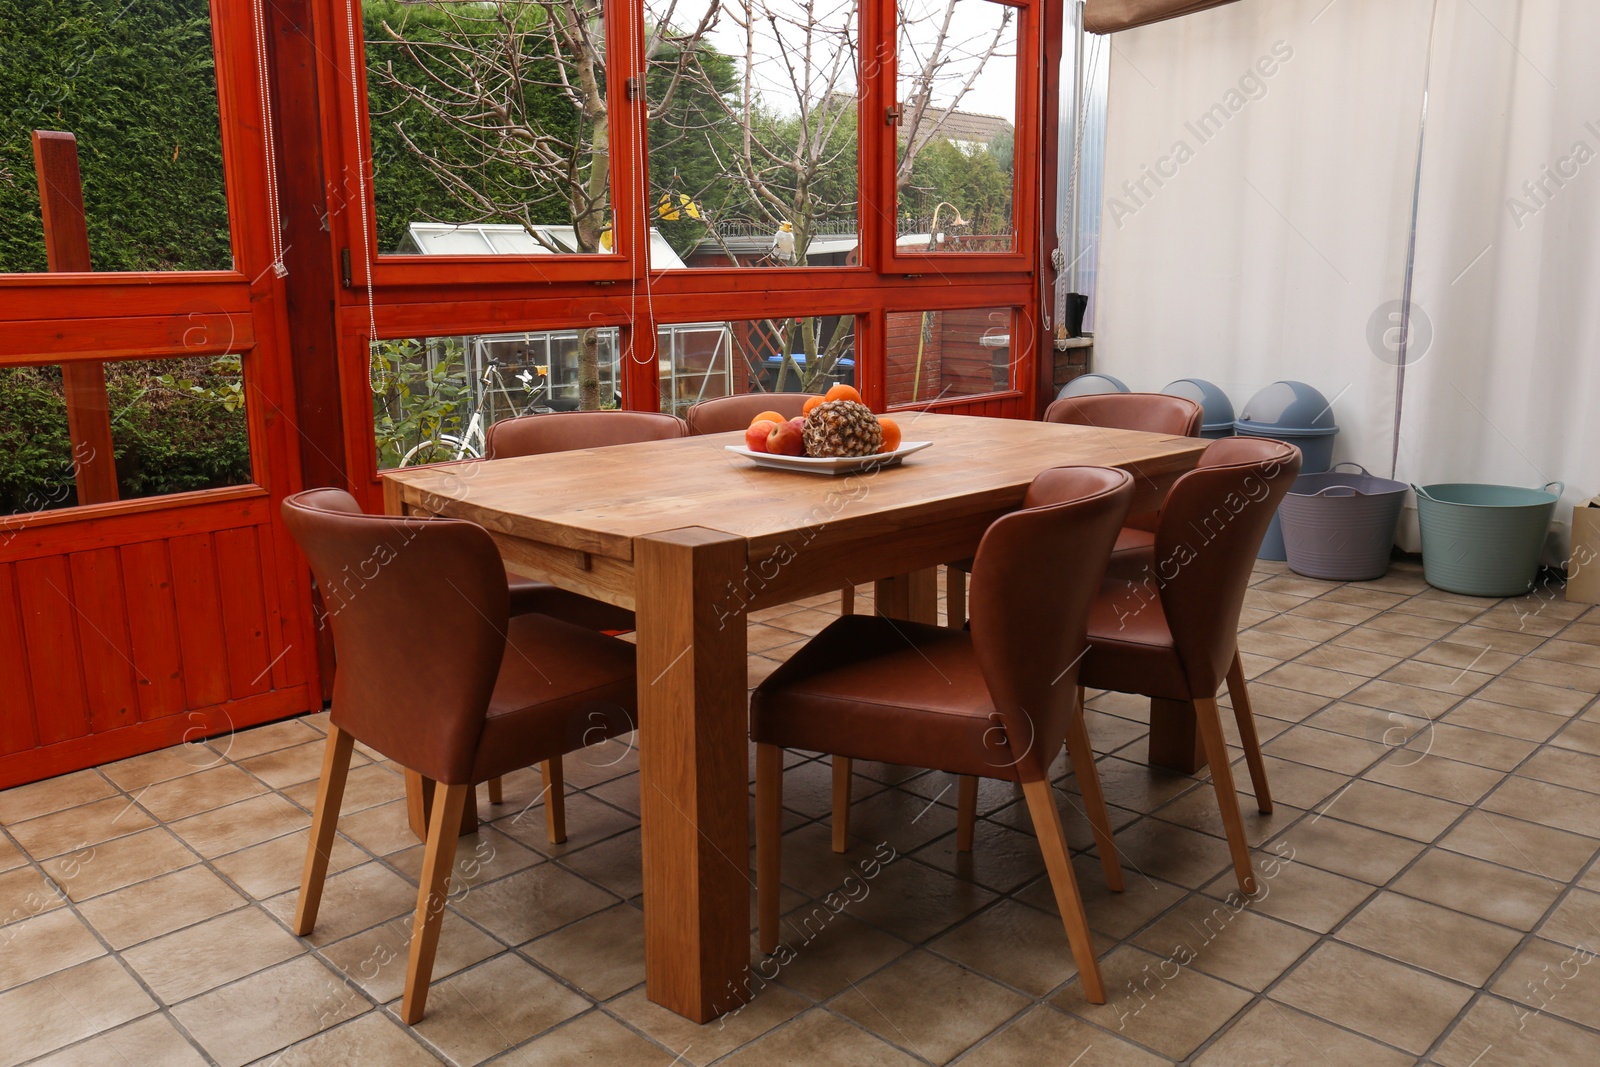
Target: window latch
x,y
344,267
631,89
892,115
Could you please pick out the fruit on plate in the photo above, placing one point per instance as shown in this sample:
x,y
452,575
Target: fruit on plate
x,y
768,416
755,438
891,434
786,439
842,428
799,423
811,403
842,392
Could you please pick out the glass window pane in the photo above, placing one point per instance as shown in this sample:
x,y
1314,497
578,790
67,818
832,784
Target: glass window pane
x,y
176,425
433,398
956,86
753,158
135,83
490,130
938,355
700,361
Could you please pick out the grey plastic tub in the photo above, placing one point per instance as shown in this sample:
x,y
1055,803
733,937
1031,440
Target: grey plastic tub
x,y
1340,525
1483,540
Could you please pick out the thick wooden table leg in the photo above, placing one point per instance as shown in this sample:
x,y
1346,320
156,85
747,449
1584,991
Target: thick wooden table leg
x,y
419,806
913,596
694,770
1174,742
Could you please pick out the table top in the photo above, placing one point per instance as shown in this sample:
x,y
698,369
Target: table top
x,y
599,500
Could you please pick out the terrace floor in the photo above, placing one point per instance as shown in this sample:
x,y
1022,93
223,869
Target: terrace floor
x,y
1430,888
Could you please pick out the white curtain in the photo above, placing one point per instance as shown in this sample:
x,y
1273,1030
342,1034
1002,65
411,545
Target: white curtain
x,y
1277,248
1508,252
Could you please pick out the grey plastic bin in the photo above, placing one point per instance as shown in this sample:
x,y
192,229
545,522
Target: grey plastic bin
x,y
1295,413
1484,540
1217,422
1340,525
1092,384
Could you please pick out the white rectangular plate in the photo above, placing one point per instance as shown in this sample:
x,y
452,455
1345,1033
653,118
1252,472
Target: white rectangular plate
x,y
831,464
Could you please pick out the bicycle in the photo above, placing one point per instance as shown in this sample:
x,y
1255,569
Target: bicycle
x,y
471,443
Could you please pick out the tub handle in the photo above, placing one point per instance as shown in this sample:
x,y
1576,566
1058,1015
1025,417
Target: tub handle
x,y
1561,488
1350,463
1415,488
1347,488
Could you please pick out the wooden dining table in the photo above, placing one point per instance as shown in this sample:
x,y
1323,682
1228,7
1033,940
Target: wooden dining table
x,y
693,538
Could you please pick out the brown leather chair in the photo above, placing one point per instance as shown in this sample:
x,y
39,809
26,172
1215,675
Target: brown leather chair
x,y
727,413
565,431
1175,416
437,676
997,701
1172,633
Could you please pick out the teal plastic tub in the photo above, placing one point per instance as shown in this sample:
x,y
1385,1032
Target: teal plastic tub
x,y
1484,540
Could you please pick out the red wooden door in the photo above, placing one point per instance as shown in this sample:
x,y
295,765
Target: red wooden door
x,y
133,624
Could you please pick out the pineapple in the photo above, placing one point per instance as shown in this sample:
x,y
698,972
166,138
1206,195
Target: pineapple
x,y
842,428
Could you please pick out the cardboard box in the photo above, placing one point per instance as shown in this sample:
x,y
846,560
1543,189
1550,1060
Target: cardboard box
x,y
1583,566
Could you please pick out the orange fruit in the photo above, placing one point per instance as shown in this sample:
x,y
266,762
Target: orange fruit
x,y
891,434
843,392
811,403
769,416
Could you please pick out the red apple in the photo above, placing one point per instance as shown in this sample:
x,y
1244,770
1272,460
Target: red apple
x,y
786,440
755,438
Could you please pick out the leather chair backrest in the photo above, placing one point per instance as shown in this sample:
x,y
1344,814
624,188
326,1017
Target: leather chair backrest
x,y
1176,416
562,431
727,413
1207,537
1036,573
418,609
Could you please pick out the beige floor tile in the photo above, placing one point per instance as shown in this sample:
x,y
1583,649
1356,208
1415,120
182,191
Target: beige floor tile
x,y
1508,897
1200,810
1580,736
1533,696
1170,853
178,798
10,855
1464,655
1523,845
1576,920
150,1040
1470,746
25,802
589,1041
1405,699
1334,656
1344,848
1498,639
614,864
1046,1035
1443,678
1275,702
24,893
104,867
1449,607
69,1006
1435,776
1554,979
479,1012
480,857
1298,893
270,868
1583,652
1114,915
1305,678
1499,1033
818,1039
602,955
44,945
159,906
1401,622
238,826
1002,858
77,828
1448,943
353,900
928,1006
1012,943
1384,642
1395,1004
382,830
1507,721
1277,646
1550,805
244,1021
1557,673
1139,786
374,784
771,1007
588,821
291,766
1273,1035
1394,811
376,959
1156,1002
1295,783
203,957
529,903
1337,752
1233,943
822,953
244,744
373,1038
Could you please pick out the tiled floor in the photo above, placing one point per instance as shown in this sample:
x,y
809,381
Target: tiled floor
x,y
1430,892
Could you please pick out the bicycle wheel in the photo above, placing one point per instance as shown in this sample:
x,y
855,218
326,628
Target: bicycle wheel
x,y
445,448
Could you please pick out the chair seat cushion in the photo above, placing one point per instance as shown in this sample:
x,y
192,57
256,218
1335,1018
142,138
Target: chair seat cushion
x,y
888,690
560,687
1130,644
529,596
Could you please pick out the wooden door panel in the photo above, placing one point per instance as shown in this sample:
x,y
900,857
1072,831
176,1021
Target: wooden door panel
x,y
51,639
153,629
16,695
108,673
244,611
200,627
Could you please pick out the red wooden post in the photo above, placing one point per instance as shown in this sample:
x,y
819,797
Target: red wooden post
x,y
66,240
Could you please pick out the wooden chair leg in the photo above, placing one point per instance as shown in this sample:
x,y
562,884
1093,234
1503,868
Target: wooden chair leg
x,y
847,600
1208,721
1081,753
330,794
496,791
555,800
438,858
955,597
1239,696
769,836
1053,843
966,811
841,803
